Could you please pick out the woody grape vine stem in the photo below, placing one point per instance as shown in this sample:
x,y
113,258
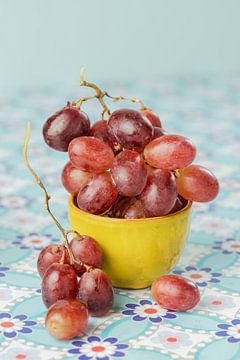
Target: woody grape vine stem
x,y
64,232
100,94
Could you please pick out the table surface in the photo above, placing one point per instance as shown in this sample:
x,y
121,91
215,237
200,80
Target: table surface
x,y
205,109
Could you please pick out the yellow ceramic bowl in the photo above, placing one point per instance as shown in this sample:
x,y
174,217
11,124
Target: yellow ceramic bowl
x,y
136,251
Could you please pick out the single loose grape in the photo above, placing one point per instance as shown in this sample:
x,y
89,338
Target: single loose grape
x,y
90,154
170,152
196,183
174,292
67,319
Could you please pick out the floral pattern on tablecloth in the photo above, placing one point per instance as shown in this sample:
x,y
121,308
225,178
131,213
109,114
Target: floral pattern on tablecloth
x,y
205,109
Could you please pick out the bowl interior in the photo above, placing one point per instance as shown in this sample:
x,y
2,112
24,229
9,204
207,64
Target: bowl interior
x,y
73,205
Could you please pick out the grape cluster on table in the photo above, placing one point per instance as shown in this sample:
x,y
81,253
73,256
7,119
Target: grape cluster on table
x,y
127,166
71,300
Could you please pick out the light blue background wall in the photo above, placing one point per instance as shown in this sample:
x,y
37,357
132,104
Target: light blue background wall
x,y
48,41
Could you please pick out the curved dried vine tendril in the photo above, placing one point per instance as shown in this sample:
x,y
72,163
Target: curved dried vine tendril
x,y
64,232
100,94
133,100
79,102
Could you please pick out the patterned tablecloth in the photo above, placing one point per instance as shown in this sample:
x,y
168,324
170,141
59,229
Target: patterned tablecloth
x,y
208,111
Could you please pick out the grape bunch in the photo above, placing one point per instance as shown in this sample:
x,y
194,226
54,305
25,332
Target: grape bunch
x,y
71,300
127,166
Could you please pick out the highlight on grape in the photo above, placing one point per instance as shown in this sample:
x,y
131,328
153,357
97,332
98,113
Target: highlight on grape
x,y
125,166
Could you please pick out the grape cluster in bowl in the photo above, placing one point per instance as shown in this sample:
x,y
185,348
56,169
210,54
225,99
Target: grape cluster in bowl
x,y
127,166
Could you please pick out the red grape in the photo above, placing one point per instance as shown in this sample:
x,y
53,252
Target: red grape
x,y
159,194
177,206
135,211
130,128
86,124
87,250
183,200
129,208
170,152
150,169
121,204
100,131
152,117
49,255
157,132
97,195
59,282
67,319
90,154
96,291
197,183
174,292
73,178
129,173
64,126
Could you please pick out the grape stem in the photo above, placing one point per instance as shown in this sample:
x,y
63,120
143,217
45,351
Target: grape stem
x,y
62,258
99,94
133,100
176,173
64,232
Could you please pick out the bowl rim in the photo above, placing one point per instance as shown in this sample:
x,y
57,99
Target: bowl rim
x,y
118,220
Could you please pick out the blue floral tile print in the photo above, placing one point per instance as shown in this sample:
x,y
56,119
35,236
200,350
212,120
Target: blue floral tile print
x,y
3,270
34,240
228,246
201,276
98,349
231,331
146,309
10,325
